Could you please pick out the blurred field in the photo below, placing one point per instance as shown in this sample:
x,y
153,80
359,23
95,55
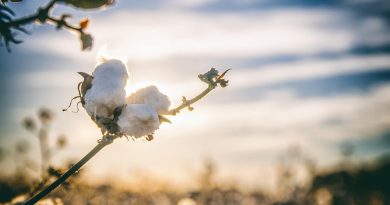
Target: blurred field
x,y
349,183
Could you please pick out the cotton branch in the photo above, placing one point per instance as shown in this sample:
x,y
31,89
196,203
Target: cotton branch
x,y
112,131
8,25
213,79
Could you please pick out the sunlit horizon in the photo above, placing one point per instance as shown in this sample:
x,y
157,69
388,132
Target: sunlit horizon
x,y
311,77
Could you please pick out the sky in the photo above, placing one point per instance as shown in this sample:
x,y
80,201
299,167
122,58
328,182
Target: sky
x,y
307,74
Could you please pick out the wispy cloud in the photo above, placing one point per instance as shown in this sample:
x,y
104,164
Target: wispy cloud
x,y
306,69
162,34
169,47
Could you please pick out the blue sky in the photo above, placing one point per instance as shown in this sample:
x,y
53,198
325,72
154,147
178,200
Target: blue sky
x,y
313,74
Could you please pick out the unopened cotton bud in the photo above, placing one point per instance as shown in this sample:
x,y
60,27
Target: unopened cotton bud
x,y
150,96
138,120
108,89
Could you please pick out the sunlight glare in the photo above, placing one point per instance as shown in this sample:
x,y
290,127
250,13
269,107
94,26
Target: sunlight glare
x,y
104,54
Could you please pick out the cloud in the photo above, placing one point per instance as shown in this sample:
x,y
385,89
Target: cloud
x,y
169,48
146,35
269,126
191,3
49,79
307,69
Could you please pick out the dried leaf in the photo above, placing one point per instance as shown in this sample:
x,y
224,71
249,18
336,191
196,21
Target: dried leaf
x,y
54,172
86,41
86,84
223,83
84,23
209,76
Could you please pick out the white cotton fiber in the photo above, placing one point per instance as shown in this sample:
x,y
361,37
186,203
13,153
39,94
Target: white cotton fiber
x,y
138,120
150,96
108,89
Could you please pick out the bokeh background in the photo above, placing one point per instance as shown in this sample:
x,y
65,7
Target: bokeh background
x,y
309,78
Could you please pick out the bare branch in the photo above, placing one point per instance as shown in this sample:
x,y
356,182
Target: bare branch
x,y
213,79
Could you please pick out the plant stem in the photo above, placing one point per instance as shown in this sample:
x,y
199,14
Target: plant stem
x,y
213,79
31,18
22,21
101,144
64,23
188,103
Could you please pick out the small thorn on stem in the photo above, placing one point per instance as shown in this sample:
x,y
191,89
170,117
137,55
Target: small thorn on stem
x,y
187,104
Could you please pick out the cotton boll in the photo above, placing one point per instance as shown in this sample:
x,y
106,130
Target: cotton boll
x,y
112,69
138,120
151,96
108,89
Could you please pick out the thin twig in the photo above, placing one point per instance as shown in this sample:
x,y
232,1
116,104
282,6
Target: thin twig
x,y
188,103
64,23
106,140
29,19
213,79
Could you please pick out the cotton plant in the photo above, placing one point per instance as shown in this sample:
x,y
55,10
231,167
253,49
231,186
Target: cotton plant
x,y
103,93
137,115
